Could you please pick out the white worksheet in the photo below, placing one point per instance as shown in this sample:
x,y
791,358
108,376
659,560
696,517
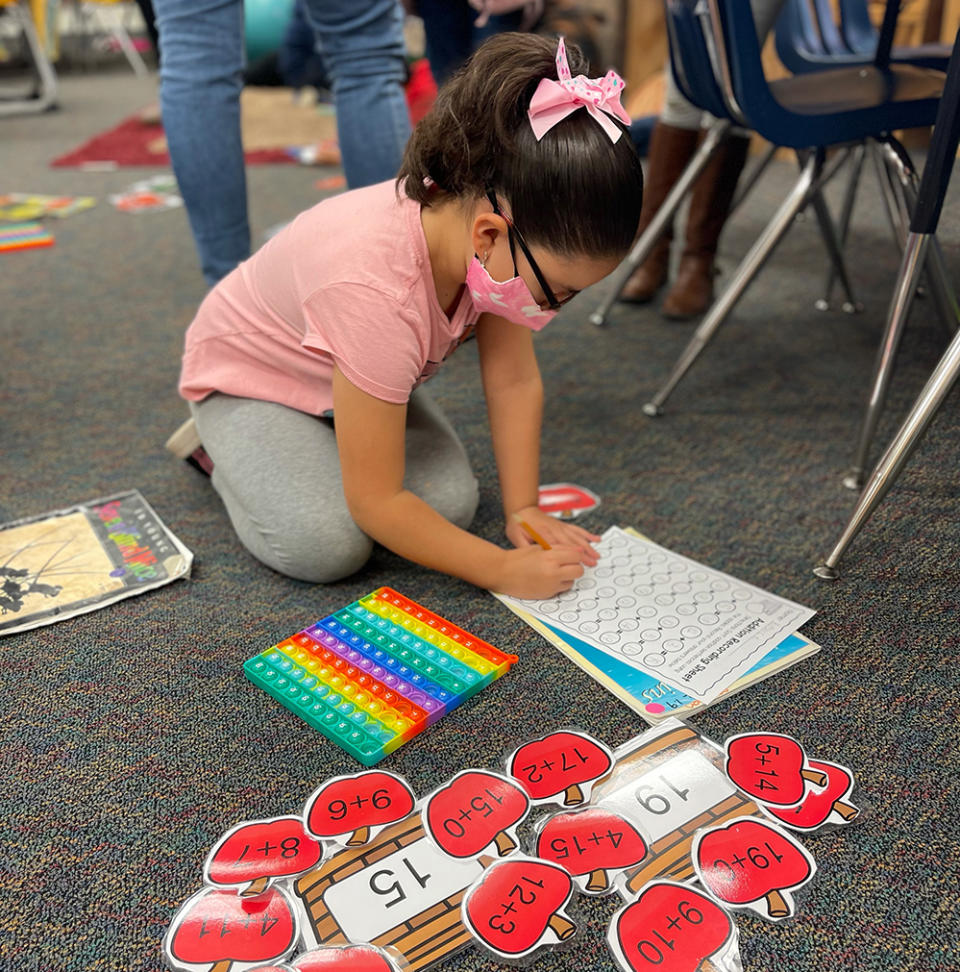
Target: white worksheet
x,y
695,628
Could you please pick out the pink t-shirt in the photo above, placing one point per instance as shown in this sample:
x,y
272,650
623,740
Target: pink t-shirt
x,y
348,281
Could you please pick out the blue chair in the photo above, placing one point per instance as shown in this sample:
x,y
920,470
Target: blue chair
x,y
939,167
861,37
691,61
810,113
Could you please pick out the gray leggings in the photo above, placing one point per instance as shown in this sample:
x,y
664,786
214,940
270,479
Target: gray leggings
x,y
277,471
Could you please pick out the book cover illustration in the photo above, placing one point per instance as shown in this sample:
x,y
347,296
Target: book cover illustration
x,y
81,558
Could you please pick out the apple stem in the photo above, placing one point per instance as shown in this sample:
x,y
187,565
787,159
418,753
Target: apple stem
x,y
562,928
814,776
573,795
707,966
504,843
845,810
255,887
360,836
598,880
777,906
222,966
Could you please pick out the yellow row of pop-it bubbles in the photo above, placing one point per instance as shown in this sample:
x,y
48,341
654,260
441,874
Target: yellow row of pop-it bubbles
x,y
372,676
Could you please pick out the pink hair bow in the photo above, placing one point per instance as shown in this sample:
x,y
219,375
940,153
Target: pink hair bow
x,y
554,100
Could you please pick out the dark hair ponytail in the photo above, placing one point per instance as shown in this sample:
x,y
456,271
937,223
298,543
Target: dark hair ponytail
x,y
574,191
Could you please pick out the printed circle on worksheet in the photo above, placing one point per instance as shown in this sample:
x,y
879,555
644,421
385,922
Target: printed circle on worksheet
x,y
588,605
660,578
757,607
669,621
697,576
702,597
657,557
603,572
653,660
629,624
568,617
674,644
651,634
664,599
643,591
724,607
645,611
619,561
741,594
630,649
567,596
606,614
624,580
680,588
719,585
626,601
690,631
549,607
606,592
610,637
708,619
686,609
587,584
589,627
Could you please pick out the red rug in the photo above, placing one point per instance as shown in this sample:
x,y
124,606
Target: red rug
x,y
133,143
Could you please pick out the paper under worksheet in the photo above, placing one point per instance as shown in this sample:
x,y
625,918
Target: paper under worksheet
x,y
695,628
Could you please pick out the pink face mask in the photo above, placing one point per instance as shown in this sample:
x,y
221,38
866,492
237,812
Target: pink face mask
x,y
511,299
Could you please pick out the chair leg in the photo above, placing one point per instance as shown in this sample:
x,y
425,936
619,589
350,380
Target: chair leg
x,y
897,226
46,90
747,184
910,269
907,181
835,251
853,183
641,249
909,434
749,267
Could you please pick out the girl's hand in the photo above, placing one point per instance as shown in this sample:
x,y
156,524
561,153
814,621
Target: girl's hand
x,y
556,533
536,574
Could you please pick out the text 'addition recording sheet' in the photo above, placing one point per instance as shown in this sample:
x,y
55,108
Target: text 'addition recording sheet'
x,y
695,628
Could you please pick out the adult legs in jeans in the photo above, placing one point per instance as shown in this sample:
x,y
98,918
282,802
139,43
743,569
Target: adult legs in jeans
x,y
202,42
451,35
362,45
200,81
278,473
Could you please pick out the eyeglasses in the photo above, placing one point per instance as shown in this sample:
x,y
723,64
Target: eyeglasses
x,y
512,231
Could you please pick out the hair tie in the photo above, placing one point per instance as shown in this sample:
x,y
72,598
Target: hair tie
x,y
554,100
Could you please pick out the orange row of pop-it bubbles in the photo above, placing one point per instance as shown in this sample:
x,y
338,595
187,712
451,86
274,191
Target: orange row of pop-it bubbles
x,y
377,672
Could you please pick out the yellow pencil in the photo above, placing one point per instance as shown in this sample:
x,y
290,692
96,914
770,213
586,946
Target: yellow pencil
x,y
530,532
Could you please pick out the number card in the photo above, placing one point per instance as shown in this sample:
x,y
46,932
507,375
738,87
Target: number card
x,y
351,810
475,811
220,931
753,865
516,907
561,767
253,855
821,808
771,768
591,845
673,928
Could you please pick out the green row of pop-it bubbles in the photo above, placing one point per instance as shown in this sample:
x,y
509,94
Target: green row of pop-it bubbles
x,y
330,712
413,651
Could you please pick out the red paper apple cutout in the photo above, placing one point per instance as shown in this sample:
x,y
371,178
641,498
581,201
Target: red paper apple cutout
x,y
770,767
750,863
591,843
511,908
253,854
219,928
829,805
671,928
561,767
474,810
350,958
351,809
274,968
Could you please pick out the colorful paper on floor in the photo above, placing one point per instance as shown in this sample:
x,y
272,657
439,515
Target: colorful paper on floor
x,y
24,236
16,207
691,626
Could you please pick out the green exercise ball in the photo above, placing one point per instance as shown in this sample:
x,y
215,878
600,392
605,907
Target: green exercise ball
x,y
264,23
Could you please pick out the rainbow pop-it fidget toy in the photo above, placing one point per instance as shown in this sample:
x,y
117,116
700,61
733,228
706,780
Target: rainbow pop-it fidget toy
x,y
377,672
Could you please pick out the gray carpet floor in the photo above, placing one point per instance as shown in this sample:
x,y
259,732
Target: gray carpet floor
x,y
130,741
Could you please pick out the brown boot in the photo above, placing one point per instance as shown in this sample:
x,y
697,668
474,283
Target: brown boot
x,y
692,291
670,151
